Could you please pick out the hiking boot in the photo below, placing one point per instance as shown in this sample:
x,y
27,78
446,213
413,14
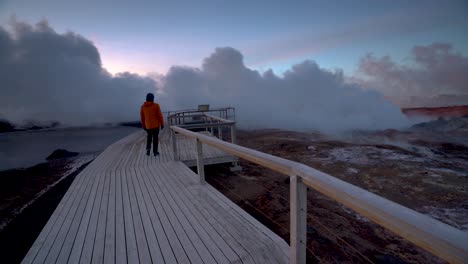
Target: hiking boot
x,y
156,154
147,152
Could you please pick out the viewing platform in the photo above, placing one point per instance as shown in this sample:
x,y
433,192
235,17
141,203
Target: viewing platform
x,y
126,207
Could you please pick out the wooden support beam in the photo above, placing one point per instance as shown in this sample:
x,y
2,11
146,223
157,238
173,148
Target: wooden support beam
x,y
233,134
200,163
174,145
298,213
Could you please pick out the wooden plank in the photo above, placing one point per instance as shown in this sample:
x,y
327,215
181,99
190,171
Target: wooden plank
x,y
142,244
255,234
110,235
280,245
87,250
163,242
98,249
213,241
120,245
278,248
175,223
200,164
132,251
79,241
153,244
176,245
187,226
225,230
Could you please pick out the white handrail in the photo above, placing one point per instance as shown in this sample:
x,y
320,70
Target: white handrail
x,y
434,236
217,118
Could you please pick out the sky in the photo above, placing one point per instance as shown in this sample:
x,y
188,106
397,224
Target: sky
x,y
151,36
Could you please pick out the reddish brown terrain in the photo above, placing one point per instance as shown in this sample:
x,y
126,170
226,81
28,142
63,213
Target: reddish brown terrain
x,y
411,168
437,112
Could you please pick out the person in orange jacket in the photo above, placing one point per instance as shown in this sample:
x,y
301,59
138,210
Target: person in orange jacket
x,y
151,121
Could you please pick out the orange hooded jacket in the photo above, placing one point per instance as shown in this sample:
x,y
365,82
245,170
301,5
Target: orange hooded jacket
x,y
151,116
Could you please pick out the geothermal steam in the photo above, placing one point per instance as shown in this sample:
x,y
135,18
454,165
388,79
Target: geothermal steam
x,y
46,76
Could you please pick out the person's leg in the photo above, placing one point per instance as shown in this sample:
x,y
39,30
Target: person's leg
x,y
148,141
155,141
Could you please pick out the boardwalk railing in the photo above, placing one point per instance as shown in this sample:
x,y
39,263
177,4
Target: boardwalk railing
x,y
440,239
182,116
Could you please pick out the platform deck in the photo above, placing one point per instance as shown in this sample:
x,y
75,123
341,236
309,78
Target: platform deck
x,y
126,207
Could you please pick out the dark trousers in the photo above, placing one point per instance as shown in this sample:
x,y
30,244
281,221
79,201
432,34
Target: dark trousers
x,y
152,136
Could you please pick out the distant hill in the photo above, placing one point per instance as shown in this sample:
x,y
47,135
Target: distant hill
x,y
6,126
437,112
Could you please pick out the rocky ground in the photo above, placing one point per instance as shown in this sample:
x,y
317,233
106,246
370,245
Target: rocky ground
x,y
413,168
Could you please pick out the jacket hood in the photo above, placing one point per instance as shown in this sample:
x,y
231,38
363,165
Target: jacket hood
x,y
148,104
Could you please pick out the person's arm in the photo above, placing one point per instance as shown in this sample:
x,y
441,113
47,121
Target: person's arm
x,y
142,117
160,116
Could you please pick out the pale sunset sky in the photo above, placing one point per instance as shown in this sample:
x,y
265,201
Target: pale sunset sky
x,y
151,36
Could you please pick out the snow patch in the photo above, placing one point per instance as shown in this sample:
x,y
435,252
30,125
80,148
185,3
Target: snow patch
x,y
365,155
456,217
444,170
358,216
352,170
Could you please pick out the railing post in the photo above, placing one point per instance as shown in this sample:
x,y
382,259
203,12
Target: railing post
x,y
174,145
200,163
233,134
298,238
220,133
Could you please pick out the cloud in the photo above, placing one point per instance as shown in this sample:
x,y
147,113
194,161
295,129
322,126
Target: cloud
x,y
306,97
46,76
412,19
432,70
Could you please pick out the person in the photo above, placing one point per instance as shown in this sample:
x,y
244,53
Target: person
x,y
151,121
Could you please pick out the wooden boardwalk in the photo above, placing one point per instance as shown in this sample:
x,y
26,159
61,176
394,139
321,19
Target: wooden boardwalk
x,y
126,207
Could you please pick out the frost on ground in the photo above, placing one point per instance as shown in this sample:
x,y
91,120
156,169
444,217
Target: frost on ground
x,y
450,171
368,155
456,217
79,161
352,170
421,171
356,215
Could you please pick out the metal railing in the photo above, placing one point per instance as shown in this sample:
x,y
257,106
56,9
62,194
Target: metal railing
x,y
208,122
180,117
440,239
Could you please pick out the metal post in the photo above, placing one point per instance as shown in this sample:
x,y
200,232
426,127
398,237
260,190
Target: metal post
x,y
298,239
200,163
174,145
